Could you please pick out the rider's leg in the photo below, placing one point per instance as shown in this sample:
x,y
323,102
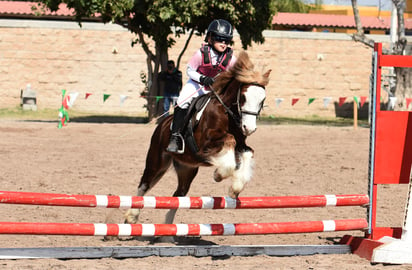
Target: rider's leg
x,y
189,91
176,143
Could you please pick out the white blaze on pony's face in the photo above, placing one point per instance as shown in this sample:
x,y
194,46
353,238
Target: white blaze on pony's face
x,y
255,95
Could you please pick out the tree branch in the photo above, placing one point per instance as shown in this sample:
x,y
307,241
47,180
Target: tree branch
x,y
185,47
142,41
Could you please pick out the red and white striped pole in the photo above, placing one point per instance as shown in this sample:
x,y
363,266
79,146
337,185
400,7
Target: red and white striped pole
x,y
91,229
109,201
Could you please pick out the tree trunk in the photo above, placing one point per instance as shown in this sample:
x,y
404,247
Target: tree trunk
x,y
154,101
403,87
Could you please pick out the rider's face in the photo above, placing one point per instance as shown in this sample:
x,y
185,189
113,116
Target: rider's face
x,y
219,46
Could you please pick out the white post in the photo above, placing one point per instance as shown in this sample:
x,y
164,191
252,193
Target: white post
x,y
397,251
407,226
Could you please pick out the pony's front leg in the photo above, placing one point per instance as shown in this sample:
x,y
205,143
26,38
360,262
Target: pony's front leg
x,y
225,161
243,173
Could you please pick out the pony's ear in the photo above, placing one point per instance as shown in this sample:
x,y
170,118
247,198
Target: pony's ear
x,y
267,73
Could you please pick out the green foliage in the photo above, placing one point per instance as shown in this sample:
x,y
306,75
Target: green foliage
x,y
155,18
295,6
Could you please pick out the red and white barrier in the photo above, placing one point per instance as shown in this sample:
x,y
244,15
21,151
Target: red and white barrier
x,y
91,229
107,201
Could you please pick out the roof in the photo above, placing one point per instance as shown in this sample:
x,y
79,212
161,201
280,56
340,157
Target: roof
x,y
331,20
24,9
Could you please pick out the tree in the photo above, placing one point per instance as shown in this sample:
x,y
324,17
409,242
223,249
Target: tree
x,y
161,21
401,86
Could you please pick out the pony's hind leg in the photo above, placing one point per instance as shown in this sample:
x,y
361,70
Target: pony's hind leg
x,y
156,166
185,176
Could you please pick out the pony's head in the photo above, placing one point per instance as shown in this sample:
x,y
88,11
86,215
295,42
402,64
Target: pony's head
x,y
251,93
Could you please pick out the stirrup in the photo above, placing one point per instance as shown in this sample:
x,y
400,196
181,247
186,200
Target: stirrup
x,y
176,139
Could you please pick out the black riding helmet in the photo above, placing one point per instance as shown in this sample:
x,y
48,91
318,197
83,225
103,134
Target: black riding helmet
x,y
220,30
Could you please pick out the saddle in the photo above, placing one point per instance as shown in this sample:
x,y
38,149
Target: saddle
x,y
192,119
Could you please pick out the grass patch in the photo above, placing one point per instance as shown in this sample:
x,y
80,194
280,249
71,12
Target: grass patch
x,y
18,114
75,116
310,120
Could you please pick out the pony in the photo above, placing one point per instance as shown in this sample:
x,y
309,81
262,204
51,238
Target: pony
x,y
219,136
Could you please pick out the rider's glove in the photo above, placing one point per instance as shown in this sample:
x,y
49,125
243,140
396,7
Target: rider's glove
x,y
207,81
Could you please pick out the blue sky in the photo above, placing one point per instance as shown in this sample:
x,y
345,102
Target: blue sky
x,y
384,4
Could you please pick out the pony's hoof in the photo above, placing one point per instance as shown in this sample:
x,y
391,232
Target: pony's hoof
x,y
217,176
131,216
233,194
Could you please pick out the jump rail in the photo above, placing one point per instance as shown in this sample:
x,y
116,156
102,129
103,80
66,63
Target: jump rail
x,y
97,229
108,201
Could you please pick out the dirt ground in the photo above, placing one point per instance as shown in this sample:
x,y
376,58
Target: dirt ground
x,y
86,158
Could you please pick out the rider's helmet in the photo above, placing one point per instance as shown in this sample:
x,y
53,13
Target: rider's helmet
x,y
220,30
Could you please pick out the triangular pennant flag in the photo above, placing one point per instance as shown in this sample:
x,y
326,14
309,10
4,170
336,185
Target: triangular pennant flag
x,y
294,101
278,101
362,100
158,98
392,102
63,92
408,101
341,101
105,97
122,99
87,95
73,97
326,101
356,99
311,100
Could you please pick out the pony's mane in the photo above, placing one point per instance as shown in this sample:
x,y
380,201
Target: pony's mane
x,y
243,71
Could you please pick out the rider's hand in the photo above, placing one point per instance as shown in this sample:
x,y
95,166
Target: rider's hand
x,y
207,81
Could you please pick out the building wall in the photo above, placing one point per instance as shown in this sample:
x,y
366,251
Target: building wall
x,y
99,59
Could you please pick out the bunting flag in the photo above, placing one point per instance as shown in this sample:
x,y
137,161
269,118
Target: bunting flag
x,y
326,101
105,97
278,101
356,99
392,102
311,100
341,101
72,98
122,99
408,101
362,101
68,101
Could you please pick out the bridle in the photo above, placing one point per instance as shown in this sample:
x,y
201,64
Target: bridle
x,y
238,116
247,111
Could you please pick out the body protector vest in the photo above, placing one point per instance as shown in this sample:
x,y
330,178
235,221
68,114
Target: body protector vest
x,y
209,70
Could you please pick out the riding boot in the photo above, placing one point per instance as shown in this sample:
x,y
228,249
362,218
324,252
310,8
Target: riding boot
x,y
176,143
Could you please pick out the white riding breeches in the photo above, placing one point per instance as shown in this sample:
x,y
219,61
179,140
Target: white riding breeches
x,y
190,91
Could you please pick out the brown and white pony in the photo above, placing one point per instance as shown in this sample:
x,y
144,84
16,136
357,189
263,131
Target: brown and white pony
x,y
220,134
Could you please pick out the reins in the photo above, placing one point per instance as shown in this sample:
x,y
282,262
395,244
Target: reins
x,y
236,117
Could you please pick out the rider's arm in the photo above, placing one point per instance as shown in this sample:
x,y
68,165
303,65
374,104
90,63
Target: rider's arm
x,y
193,65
